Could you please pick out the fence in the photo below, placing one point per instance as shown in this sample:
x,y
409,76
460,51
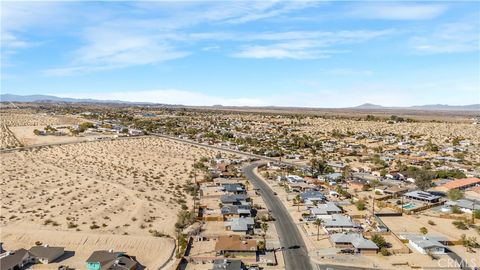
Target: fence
x,y
389,214
425,207
213,218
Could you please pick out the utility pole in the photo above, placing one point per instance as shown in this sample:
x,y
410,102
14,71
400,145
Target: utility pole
x,y
195,189
473,212
373,205
401,206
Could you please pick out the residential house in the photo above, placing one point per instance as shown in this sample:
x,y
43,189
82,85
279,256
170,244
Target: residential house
x,y
301,186
395,176
233,244
355,241
244,225
276,165
312,197
234,188
333,177
294,156
13,260
228,264
295,179
222,167
364,177
235,199
108,259
448,159
339,222
423,196
46,254
460,184
465,205
235,211
391,190
426,244
135,132
337,167
325,211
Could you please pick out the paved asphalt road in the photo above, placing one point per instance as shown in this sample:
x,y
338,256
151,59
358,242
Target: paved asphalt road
x,y
295,253
223,149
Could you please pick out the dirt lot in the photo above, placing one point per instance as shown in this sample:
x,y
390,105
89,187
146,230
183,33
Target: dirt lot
x,y
26,137
29,118
7,139
411,224
149,251
123,187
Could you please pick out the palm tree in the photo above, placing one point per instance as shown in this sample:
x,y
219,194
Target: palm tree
x,y
297,201
264,227
318,222
247,185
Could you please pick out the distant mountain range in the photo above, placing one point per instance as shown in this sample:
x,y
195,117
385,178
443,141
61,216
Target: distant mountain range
x,y
433,107
47,98
366,106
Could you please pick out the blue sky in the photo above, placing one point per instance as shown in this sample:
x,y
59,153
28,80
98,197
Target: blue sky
x,y
284,53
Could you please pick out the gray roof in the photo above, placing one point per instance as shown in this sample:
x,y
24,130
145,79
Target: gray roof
x,y
226,264
46,252
333,176
309,195
422,195
236,209
364,176
357,240
233,187
112,260
467,204
121,263
15,258
326,209
426,241
240,224
340,221
103,256
233,198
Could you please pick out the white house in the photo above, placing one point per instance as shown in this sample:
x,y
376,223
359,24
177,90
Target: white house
x,y
426,244
325,211
295,179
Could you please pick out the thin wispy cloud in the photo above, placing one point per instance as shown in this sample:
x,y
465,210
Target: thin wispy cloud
x,y
458,37
302,49
398,11
169,96
320,50
305,45
387,94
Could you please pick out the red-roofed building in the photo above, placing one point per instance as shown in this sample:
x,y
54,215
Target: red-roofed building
x,y
459,184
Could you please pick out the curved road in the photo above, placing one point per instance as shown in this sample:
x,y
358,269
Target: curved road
x,y
295,253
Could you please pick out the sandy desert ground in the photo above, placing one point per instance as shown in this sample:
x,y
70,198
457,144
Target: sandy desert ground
x,y
412,223
21,124
7,139
150,251
122,187
437,131
30,118
26,136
